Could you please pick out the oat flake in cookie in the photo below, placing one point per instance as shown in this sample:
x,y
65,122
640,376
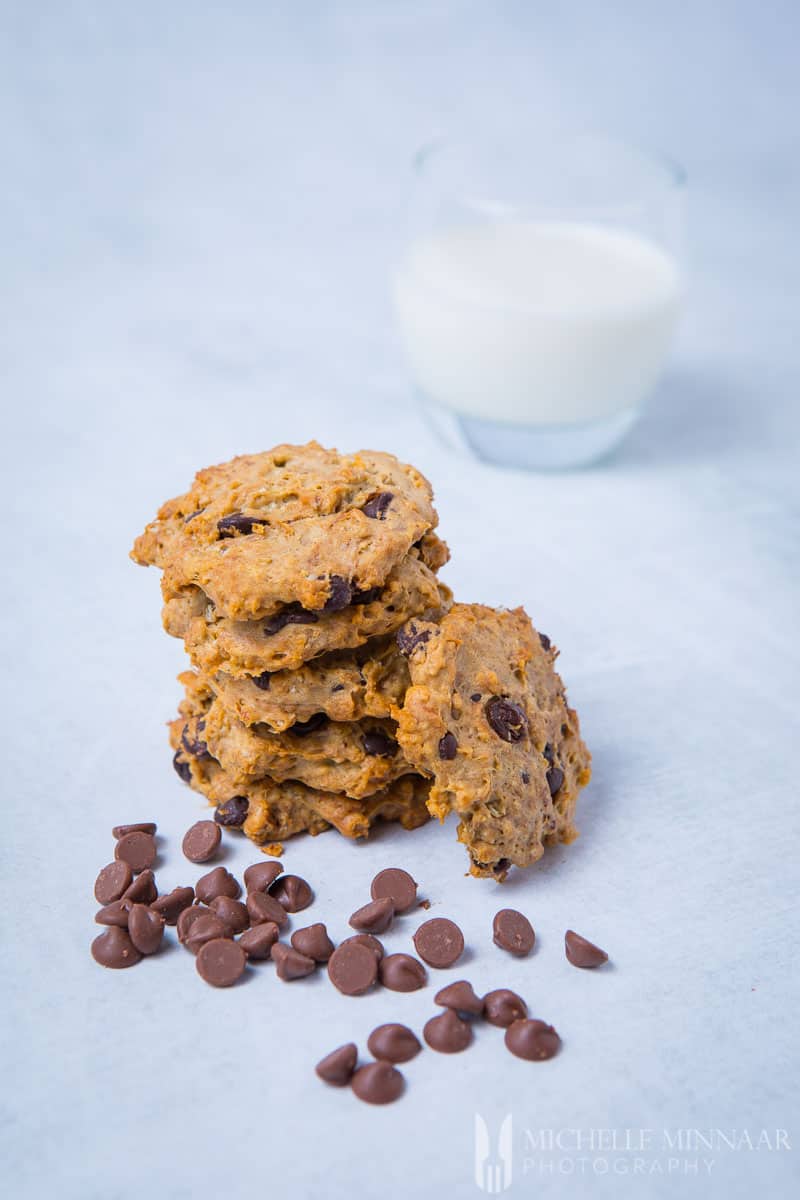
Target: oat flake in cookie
x,y
487,718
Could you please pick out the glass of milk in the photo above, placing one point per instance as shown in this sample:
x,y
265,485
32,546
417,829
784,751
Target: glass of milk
x,y
538,293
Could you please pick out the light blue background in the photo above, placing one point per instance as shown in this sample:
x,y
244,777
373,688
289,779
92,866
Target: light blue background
x,y
198,210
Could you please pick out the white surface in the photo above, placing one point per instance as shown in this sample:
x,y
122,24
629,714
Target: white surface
x,y
199,211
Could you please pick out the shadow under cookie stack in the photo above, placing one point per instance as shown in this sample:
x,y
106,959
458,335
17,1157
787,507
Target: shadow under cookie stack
x,y
334,680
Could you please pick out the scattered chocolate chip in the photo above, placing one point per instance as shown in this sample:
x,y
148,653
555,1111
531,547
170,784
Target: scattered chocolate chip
x,y
340,595
377,505
258,940
206,928
461,997
378,1083
143,890
447,1033
112,882
303,728
375,917
409,637
525,777
237,522
232,813
439,942
475,697
582,953
506,719
534,1040
397,885
141,827
378,743
218,882
555,778
263,907
313,941
512,931
201,842
402,973
137,849
338,1066
171,905
195,746
290,963
292,892
114,949
367,596
501,1007
544,641
146,928
182,767
448,746
366,939
262,681
116,913
292,614
187,919
548,753
258,877
393,1043
352,968
232,912
221,962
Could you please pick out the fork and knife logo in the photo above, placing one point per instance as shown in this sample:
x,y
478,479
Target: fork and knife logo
x,y
493,1163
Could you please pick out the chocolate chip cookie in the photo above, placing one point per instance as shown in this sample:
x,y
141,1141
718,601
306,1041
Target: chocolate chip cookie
x,y
486,717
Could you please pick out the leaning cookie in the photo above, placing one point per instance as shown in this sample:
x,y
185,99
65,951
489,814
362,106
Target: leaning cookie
x,y
486,718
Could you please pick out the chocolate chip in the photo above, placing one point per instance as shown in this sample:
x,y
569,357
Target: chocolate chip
x,y
258,940
201,842
313,941
137,849
367,596
262,907
232,912
525,777
116,913
258,877
290,963
221,962
409,637
393,1043
292,614
173,903
218,882
262,681
143,890
292,892
146,928
533,1040
352,968
397,885
501,1007
141,827
378,743
338,1066
439,942
461,997
375,917
237,522
195,745
582,953
447,1033
303,728
506,719
544,641
206,928
555,778
366,939
402,973
378,1083
475,697
112,882
448,746
232,813
341,594
512,931
182,767
114,949
187,919
377,505
548,753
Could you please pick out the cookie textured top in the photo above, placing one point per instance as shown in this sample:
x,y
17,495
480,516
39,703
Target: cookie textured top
x,y
293,525
486,717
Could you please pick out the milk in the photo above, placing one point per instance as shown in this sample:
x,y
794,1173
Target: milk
x,y
536,323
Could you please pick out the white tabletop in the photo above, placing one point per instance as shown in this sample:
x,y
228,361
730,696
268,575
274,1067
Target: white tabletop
x,y
199,207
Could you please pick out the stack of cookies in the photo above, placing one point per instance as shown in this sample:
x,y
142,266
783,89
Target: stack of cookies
x,y
334,680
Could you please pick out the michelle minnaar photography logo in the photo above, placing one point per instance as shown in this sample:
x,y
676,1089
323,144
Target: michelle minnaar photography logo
x,y
504,1155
